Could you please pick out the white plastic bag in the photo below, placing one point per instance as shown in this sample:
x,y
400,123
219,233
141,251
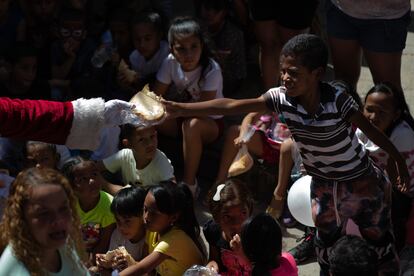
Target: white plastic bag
x,y
198,270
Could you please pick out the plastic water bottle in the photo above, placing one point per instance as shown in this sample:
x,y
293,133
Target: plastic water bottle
x,y
101,56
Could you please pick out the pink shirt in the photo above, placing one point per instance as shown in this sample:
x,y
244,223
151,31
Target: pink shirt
x,y
287,266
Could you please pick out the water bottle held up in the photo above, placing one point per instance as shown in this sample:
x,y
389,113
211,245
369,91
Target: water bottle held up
x,y
103,54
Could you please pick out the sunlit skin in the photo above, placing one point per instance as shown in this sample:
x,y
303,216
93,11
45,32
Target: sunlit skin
x,y
300,82
48,215
144,144
187,51
379,109
41,156
154,220
146,39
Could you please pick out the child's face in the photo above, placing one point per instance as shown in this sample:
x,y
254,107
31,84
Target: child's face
x,y
72,32
212,17
154,220
48,215
231,220
144,143
78,4
130,227
24,71
146,39
297,78
87,181
41,156
187,51
120,34
379,110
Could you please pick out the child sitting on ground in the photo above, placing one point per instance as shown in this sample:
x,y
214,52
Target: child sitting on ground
x,y
40,154
230,205
264,144
345,183
140,162
93,205
40,227
173,236
261,239
196,77
127,207
147,31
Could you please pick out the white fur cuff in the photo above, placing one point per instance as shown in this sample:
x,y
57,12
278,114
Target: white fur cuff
x,y
88,121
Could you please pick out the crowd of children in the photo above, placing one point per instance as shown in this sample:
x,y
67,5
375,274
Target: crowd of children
x,y
82,180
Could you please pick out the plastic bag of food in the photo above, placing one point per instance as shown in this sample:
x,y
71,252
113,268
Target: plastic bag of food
x,y
199,270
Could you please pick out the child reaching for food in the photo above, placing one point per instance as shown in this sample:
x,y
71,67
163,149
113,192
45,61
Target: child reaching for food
x,y
231,205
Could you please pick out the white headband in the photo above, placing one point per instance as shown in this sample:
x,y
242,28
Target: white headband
x,y
216,196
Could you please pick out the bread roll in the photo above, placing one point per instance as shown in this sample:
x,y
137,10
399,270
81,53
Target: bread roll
x,y
148,105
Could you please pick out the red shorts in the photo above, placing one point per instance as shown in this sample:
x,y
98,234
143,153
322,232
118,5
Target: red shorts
x,y
271,149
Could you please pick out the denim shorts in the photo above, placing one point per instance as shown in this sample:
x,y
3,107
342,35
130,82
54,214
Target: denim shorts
x,y
377,35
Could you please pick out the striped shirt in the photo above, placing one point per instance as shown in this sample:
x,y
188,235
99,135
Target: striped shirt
x,y
326,140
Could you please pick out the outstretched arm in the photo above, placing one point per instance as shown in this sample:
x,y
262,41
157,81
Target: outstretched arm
x,y
224,106
77,124
381,140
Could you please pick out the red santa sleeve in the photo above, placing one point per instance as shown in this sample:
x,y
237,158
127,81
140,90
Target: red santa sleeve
x,y
77,124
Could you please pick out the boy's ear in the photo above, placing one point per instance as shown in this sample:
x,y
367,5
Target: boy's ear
x,y
125,142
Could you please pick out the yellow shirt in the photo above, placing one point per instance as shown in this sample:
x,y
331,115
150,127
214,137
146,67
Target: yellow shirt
x,y
182,251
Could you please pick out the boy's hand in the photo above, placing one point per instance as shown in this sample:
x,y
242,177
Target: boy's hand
x,y
238,142
212,265
403,179
173,109
275,207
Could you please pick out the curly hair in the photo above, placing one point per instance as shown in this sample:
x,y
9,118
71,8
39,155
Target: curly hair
x,y
14,229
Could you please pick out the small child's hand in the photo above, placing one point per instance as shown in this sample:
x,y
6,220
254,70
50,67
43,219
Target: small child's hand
x,y
275,207
235,245
238,142
212,265
120,263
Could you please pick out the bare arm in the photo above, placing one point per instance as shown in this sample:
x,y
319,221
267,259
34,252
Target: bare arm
x,y
224,106
379,138
146,265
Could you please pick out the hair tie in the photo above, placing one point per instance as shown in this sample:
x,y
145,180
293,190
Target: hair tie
x,y
216,196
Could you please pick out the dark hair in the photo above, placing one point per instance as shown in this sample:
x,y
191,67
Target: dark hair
x,y
72,14
261,238
172,198
309,49
128,202
51,147
217,5
120,15
69,167
127,131
150,18
399,103
184,26
20,50
351,255
235,192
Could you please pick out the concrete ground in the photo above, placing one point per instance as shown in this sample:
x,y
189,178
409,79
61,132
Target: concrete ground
x,y
407,72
